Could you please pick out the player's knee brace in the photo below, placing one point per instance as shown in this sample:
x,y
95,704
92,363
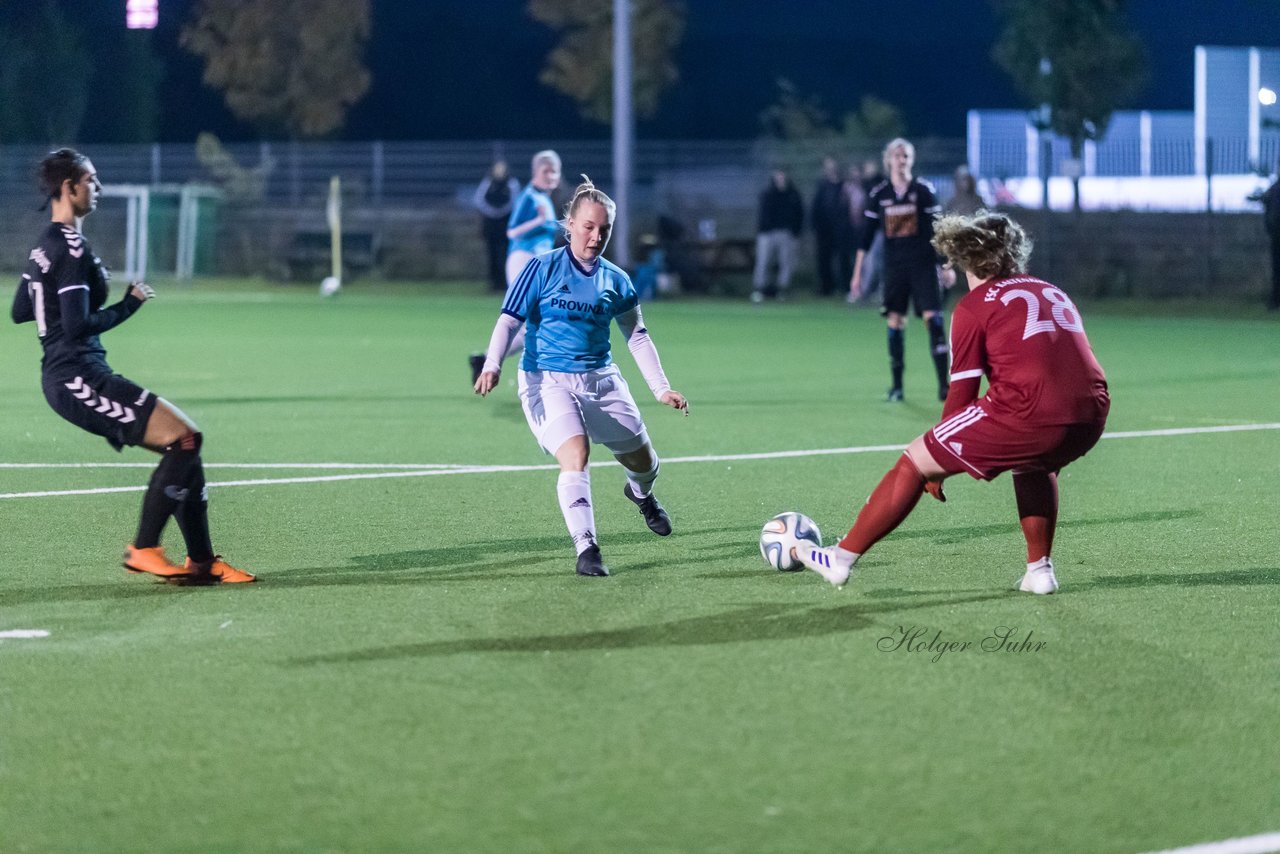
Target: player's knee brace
x,y
181,470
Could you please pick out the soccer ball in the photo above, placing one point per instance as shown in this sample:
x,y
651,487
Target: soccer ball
x,y
330,286
782,535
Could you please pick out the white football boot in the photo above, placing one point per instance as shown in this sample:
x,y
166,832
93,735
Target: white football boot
x,y
1039,578
826,563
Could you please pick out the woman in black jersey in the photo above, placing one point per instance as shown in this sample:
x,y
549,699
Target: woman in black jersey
x,y
903,208
64,292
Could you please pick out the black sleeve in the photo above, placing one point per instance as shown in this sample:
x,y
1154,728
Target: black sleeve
x,y
23,311
871,224
78,321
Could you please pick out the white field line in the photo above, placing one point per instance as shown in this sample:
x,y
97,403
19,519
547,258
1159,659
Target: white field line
x,y
423,471
294,466
23,633
1263,843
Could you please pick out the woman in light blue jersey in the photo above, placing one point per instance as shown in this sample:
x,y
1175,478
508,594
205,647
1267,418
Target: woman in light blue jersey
x,y
532,227
571,391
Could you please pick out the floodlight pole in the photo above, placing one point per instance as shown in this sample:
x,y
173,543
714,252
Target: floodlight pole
x,y
623,131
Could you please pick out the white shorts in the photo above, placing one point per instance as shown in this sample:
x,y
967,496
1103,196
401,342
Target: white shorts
x,y
517,260
596,404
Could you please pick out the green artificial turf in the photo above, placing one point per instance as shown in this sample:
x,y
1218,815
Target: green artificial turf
x,y
420,669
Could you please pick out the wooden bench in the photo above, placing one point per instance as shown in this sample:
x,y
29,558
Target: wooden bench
x,y
726,255
309,253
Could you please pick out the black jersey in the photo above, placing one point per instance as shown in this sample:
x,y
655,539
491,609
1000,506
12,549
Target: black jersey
x,y
64,290
907,221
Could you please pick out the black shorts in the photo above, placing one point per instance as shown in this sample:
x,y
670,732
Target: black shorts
x,y
107,405
917,283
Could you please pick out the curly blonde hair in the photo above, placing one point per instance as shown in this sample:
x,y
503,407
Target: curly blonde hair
x,y
987,244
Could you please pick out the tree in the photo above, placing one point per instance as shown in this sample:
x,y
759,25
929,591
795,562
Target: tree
x,y
291,66
794,116
581,65
1076,58
797,131
797,117
42,99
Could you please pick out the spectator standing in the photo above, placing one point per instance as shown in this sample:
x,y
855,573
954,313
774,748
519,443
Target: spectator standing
x,y
873,262
1271,219
830,217
853,195
493,198
779,223
965,200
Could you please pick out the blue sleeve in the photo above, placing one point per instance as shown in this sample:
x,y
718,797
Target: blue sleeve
x,y
627,296
523,293
526,209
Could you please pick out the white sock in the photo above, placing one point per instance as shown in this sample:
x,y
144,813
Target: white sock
x,y
844,557
642,482
574,490
1039,564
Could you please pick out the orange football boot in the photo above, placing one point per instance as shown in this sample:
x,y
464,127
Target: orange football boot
x,y
152,561
218,571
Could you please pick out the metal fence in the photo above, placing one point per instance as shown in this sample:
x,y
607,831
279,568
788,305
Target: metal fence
x,y
416,196
400,174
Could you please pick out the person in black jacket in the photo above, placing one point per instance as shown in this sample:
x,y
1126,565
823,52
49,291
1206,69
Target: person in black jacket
x,y
64,292
780,221
829,213
1270,199
493,199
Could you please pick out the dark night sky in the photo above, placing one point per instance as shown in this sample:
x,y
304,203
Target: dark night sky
x,y
467,69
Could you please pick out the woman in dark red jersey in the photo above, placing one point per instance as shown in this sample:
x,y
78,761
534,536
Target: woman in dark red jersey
x,y
1046,402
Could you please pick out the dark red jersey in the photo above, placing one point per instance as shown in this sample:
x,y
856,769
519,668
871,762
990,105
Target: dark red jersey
x,y
1027,338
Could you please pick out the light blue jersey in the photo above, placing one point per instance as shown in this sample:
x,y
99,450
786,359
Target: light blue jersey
x,y
567,311
531,203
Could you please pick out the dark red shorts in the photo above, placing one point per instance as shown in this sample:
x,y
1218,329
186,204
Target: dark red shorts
x,y
971,441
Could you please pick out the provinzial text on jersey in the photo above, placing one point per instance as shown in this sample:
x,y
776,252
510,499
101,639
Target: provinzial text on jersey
x,y
574,305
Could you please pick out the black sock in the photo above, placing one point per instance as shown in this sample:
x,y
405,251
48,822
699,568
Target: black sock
x,y
896,355
192,516
169,486
156,510
941,352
